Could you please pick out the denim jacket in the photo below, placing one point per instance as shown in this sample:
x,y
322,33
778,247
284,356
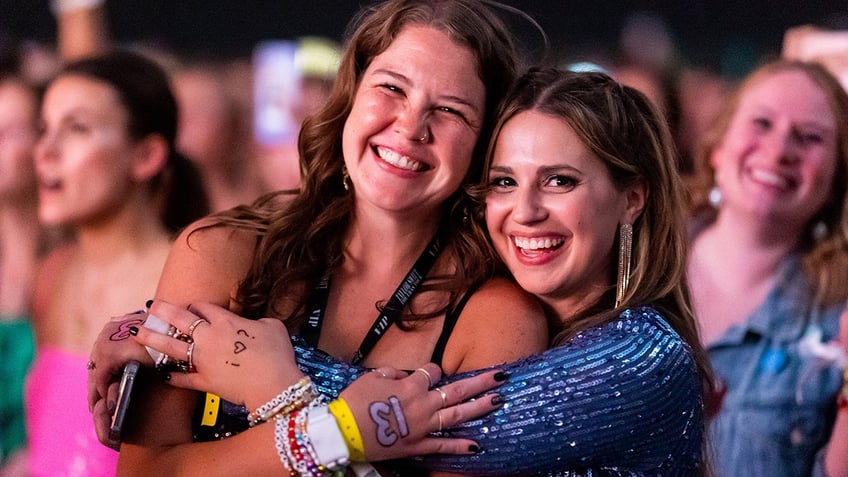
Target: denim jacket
x,y
780,404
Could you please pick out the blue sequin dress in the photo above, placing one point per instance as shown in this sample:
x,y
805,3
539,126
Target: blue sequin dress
x,y
622,399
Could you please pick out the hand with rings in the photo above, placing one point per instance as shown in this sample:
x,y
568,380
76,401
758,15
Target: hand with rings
x,y
111,351
243,361
398,412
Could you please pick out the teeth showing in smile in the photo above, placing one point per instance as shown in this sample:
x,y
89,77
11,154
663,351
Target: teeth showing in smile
x,y
769,178
395,159
537,244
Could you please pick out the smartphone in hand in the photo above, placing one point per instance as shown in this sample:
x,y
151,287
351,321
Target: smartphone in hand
x,y
124,393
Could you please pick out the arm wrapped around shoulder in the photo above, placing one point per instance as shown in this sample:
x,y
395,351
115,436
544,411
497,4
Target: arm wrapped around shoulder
x,y
625,395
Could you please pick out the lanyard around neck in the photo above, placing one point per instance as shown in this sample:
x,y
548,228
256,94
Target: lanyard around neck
x,y
311,330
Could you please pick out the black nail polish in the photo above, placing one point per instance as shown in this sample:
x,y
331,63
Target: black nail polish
x,y
148,304
166,376
473,448
497,400
134,330
501,376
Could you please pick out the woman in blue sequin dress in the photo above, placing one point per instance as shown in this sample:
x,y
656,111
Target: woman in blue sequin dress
x,y
621,392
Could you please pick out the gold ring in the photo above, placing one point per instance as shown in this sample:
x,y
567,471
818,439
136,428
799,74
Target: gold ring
x,y
427,375
439,415
89,365
194,325
444,397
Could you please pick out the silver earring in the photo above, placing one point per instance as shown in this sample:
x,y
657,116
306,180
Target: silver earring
x,y
820,230
714,197
346,182
625,249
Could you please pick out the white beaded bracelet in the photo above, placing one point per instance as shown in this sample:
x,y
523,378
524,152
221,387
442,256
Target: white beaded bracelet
x,y
294,397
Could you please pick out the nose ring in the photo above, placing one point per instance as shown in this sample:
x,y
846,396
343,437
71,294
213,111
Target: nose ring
x,y
423,137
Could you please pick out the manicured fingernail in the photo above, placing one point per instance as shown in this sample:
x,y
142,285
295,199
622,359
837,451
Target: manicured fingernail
x,y
497,400
501,376
473,448
148,304
134,330
110,406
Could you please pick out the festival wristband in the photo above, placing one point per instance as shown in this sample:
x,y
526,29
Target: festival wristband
x,y
350,431
327,439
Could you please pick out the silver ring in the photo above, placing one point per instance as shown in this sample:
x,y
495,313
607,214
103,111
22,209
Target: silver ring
x,y
189,352
89,365
444,397
194,325
427,375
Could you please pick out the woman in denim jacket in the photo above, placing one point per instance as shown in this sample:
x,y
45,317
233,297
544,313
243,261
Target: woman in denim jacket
x,y
769,271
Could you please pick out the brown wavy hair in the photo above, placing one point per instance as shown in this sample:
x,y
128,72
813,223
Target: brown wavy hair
x,y
825,259
621,127
300,233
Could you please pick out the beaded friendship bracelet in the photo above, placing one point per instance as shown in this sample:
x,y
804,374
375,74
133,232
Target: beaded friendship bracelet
x,y
293,398
296,448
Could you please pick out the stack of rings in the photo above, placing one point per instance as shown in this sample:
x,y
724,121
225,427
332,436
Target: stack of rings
x,y
444,396
166,363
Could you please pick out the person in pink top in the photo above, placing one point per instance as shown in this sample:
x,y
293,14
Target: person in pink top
x,y
108,171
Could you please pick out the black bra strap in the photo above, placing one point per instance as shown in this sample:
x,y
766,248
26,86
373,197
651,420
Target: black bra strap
x,y
451,317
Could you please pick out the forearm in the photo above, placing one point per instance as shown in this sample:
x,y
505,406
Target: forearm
x,y
249,453
573,402
81,28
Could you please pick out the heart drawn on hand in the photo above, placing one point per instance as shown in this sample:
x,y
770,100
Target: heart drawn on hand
x,y
238,347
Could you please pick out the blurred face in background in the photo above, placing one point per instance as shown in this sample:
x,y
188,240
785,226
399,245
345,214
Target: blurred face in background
x,y
17,141
84,156
778,156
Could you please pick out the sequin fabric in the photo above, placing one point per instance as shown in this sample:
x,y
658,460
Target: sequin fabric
x,y
623,399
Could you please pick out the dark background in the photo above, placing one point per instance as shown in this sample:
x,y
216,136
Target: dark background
x,y
724,35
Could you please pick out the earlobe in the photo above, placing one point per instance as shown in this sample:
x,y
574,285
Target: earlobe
x,y
151,157
636,196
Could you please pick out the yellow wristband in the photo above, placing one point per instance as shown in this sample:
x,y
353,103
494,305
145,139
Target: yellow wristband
x,y
350,431
210,410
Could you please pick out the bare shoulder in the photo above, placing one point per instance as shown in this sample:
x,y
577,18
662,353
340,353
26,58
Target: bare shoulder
x,y
500,323
207,262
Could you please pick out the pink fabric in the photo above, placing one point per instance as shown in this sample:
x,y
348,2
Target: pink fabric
x,y
61,437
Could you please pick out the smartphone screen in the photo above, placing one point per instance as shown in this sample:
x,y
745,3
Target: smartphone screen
x,y
124,392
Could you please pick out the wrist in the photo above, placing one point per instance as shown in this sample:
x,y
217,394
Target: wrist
x,y
60,7
293,398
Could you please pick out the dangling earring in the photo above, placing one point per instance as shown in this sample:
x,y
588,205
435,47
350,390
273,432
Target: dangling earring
x,y
625,249
346,179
